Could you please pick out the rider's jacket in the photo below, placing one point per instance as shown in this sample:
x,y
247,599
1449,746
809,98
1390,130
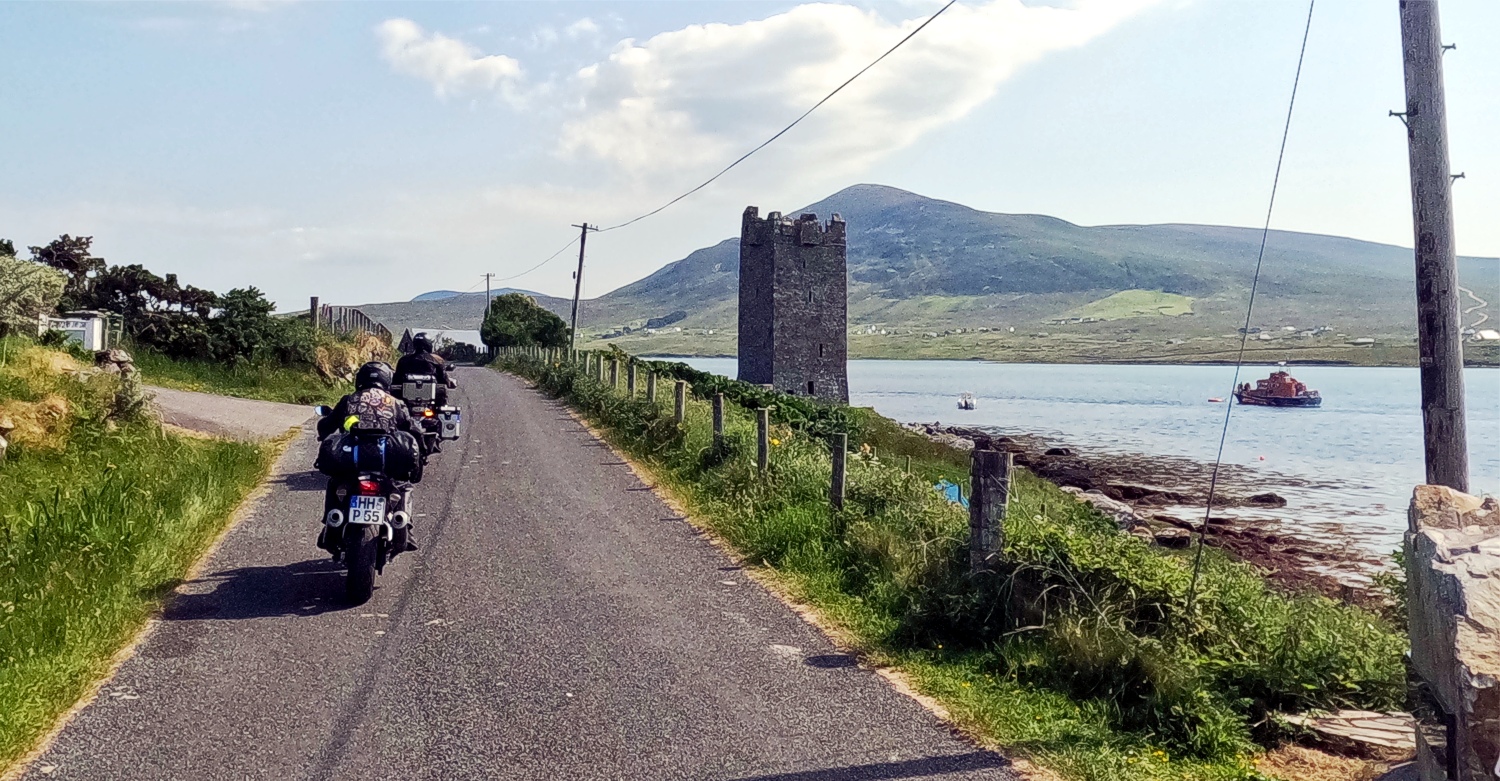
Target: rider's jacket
x,y
371,409
422,363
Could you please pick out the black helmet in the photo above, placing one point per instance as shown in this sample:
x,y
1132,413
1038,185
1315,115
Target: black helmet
x,y
375,374
421,344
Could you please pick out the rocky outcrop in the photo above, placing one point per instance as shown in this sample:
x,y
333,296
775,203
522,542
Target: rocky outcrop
x,y
1453,584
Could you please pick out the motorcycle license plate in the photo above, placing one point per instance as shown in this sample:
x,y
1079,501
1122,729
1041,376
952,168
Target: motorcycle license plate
x,y
366,509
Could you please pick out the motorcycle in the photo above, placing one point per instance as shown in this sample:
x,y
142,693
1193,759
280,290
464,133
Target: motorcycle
x,y
366,512
439,422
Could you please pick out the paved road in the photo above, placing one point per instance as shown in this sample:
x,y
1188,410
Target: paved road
x,y
226,416
558,623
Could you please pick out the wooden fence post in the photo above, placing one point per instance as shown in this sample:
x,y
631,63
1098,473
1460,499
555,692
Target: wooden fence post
x,y
312,313
836,488
614,373
989,493
762,439
630,379
651,387
679,401
908,464
718,420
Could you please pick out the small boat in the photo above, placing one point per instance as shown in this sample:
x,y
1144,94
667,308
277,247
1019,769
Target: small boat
x,y
966,401
1215,400
1278,390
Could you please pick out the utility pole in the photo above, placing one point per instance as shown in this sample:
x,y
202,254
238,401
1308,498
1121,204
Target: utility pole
x,y
578,281
1439,330
487,295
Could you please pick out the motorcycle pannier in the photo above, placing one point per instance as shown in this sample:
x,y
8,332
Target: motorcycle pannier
x,y
396,455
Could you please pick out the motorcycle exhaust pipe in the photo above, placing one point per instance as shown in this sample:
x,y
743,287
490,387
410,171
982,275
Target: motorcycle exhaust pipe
x,y
399,519
334,518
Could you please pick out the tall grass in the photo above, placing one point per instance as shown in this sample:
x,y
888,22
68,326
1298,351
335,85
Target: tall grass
x,y
265,381
93,532
1080,650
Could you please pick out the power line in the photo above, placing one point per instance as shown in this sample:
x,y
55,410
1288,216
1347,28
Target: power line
x,y
784,130
1239,361
549,259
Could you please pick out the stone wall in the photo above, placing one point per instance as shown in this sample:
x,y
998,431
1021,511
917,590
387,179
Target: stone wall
x,y
794,292
1453,555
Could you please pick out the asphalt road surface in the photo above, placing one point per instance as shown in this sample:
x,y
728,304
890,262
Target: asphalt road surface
x,y
558,623
227,417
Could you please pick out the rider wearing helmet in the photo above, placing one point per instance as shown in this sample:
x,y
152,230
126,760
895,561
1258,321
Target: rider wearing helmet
x,y
422,360
371,407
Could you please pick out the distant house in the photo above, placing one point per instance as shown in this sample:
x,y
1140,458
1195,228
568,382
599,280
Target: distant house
x,y
1487,335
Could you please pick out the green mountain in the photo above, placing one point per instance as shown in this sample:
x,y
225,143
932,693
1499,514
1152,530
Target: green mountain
x,y
924,265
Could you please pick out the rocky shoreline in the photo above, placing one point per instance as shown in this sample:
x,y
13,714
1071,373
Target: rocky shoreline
x,y
1162,500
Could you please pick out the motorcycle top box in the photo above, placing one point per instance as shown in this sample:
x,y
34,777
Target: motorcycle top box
x,y
418,388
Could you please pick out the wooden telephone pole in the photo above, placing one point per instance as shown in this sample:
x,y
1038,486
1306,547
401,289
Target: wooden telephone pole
x,y
1439,329
578,282
487,295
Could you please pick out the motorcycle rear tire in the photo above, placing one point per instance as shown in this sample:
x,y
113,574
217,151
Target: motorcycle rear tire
x,y
361,545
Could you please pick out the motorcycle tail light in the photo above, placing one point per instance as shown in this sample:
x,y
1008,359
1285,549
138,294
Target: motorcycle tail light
x,y
369,488
427,413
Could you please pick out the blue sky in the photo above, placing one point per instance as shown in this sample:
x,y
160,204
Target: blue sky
x,y
373,151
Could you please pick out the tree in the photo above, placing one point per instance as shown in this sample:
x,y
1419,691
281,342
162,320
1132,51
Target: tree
x,y
7,249
27,291
515,320
72,256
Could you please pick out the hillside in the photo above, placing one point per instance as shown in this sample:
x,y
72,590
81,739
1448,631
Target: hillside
x,y
924,268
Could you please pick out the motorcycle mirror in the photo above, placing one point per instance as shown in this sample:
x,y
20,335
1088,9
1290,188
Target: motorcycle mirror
x,y
322,410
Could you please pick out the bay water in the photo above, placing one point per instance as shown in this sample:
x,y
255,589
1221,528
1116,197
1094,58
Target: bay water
x,y
1347,468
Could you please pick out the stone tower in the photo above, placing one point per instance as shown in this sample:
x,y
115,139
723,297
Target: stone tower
x,y
794,296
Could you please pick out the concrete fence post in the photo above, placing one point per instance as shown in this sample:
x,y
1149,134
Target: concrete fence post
x,y
630,379
599,369
908,464
836,488
679,401
651,387
614,374
762,439
718,420
989,493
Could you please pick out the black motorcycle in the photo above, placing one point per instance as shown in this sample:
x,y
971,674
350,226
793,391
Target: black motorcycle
x,y
439,422
367,510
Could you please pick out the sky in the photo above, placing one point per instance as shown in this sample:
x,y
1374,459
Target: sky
x,y
369,152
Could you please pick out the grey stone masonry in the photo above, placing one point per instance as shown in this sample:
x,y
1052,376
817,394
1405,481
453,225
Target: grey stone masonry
x,y
1453,586
794,300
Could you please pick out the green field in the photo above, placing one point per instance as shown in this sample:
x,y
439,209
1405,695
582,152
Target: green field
x,y
1136,303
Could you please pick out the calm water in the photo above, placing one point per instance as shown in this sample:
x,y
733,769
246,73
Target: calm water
x,y
1346,468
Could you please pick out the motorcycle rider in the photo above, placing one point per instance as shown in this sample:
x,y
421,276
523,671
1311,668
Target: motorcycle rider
x,y
421,360
371,407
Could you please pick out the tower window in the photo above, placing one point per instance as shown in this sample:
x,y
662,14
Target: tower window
x,y
810,388
820,351
809,296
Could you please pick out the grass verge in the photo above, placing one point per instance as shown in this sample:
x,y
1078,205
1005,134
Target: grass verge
x,y
1080,652
267,382
98,521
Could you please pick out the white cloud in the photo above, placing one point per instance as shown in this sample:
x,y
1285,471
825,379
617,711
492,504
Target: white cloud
x,y
687,98
451,66
584,27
